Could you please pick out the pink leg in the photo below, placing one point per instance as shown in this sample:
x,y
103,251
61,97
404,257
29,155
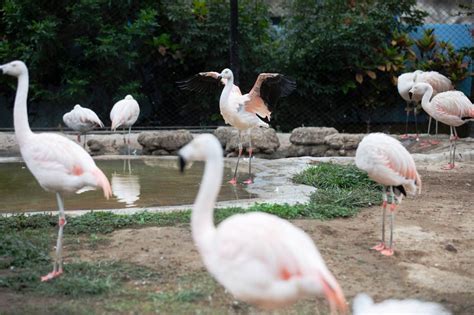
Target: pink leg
x,y
452,150
58,262
233,181
389,251
79,137
249,180
380,246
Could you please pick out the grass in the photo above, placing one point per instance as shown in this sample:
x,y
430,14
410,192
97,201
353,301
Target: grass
x,y
341,190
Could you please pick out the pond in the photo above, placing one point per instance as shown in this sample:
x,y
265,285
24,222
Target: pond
x,y
135,183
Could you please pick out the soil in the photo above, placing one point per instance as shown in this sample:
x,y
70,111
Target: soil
x,y
434,235
434,238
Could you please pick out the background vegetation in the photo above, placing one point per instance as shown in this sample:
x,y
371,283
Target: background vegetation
x,y
345,55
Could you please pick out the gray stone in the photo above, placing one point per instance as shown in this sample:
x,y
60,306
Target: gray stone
x,y
264,140
96,147
223,134
311,135
169,141
346,141
307,150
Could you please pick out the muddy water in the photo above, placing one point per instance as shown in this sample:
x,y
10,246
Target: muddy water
x,y
135,183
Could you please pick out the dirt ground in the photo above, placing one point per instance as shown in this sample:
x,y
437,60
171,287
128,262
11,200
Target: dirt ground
x,y
434,256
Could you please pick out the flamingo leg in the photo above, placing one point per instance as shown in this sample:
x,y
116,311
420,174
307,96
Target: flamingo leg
x,y
381,245
452,149
79,137
85,141
58,261
233,181
407,109
124,134
429,125
128,140
416,123
250,149
388,251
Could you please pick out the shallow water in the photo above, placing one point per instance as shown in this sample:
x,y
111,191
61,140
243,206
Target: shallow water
x,y
135,183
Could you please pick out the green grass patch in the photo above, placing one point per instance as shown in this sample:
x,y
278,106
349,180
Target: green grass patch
x,y
341,190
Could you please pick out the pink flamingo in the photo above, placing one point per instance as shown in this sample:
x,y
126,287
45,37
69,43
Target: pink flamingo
x,y
364,305
258,257
124,114
58,164
243,111
388,163
82,120
452,108
439,82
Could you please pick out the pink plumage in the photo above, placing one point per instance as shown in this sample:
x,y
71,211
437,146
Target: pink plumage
x,y
452,108
259,258
387,162
58,164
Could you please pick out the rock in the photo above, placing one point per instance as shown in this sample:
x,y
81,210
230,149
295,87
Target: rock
x,y
307,150
450,248
96,147
344,141
264,140
164,141
311,135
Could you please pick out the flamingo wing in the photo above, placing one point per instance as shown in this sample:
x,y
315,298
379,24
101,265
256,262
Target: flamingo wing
x,y
267,90
88,115
203,82
124,113
439,82
454,103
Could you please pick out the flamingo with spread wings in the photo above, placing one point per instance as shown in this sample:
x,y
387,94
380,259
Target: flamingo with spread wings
x,y
82,120
388,163
452,108
58,164
258,257
243,111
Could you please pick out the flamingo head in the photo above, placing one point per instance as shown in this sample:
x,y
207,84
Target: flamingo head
x,y
14,68
77,106
129,97
419,88
226,74
201,148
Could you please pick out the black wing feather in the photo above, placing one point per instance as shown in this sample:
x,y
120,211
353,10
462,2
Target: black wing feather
x,y
274,88
200,84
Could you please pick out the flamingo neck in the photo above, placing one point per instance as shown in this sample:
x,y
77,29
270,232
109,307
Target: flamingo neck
x,y
226,91
425,101
202,218
20,111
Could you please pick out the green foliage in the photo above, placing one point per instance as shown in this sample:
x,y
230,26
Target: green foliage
x,y
341,190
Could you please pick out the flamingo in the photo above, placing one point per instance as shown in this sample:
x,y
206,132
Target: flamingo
x,y
452,108
388,163
82,119
364,305
124,114
258,257
58,164
439,82
243,111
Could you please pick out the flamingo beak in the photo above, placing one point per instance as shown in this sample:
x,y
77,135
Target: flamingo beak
x,y
335,297
219,77
182,164
3,70
410,94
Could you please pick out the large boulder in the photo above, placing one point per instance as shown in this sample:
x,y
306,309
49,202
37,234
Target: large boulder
x,y
343,144
164,142
307,150
264,140
311,135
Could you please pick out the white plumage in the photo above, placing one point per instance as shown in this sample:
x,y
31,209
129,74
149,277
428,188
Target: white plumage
x,y
364,305
82,119
258,257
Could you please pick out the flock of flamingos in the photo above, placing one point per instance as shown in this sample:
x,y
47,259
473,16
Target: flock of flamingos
x,y
259,258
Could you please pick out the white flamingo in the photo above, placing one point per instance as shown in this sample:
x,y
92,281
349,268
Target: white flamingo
x,y
439,82
364,305
243,111
124,114
452,108
388,163
82,120
58,164
258,257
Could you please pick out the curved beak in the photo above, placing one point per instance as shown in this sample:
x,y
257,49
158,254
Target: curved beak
x,y
410,94
2,69
219,77
335,297
182,163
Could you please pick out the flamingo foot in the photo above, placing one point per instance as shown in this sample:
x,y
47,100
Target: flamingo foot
x,y
387,252
52,275
448,167
248,181
379,247
233,181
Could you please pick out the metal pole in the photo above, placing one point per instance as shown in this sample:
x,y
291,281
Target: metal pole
x,y
234,42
